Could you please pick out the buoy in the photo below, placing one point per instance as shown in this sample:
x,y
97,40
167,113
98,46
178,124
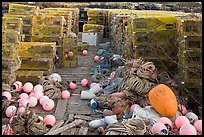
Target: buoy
x,y
167,122
38,88
55,77
181,120
17,85
38,94
21,111
96,88
27,87
23,96
65,94
48,105
72,85
10,111
192,117
111,119
49,120
97,123
96,58
32,101
92,84
42,99
198,126
159,128
85,52
23,103
7,95
87,95
31,94
187,129
84,82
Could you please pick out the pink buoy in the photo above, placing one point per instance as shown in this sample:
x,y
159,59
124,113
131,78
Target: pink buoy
x,y
38,94
96,58
85,52
84,82
7,95
65,94
42,99
17,85
21,111
48,105
49,120
198,126
27,87
187,129
31,94
32,101
70,54
158,128
166,121
23,102
38,88
92,84
72,85
23,96
181,120
10,111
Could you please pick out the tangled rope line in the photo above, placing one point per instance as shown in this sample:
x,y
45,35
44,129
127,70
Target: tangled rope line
x,y
127,127
28,124
51,88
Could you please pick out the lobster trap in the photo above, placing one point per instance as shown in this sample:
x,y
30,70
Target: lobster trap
x,y
189,26
37,49
150,50
11,65
154,23
37,63
70,63
9,78
158,36
57,39
51,31
10,23
11,36
190,74
35,77
27,30
82,46
22,9
45,20
27,19
191,57
9,50
190,41
93,28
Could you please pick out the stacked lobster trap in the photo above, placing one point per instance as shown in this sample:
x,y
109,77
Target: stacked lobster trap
x,y
58,22
154,39
37,60
70,50
11,36
99,17
26,13
190,58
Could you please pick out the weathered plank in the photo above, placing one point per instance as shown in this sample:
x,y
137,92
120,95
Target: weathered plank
x,y
57,125
78,106
66,127
61,109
